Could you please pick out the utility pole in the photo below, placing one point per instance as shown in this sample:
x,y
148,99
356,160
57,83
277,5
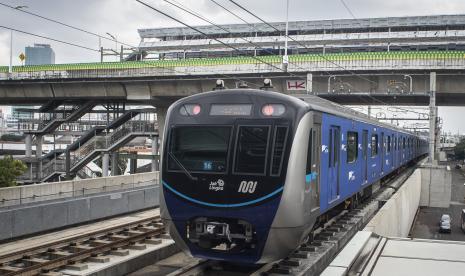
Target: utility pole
x,y
10,67
432,116
286,57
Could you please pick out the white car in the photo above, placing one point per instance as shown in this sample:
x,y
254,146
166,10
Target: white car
x,y
444,224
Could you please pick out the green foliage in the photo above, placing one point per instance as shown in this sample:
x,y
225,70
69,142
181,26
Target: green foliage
x,y
459,150
10,169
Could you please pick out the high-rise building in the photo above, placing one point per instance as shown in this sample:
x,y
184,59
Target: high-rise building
x,y
36,55
40,54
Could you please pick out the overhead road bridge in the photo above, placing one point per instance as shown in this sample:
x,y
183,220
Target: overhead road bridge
x,y
349,78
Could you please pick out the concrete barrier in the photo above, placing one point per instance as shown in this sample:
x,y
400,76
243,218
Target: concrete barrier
x,y
395,218
436,184
12,196
21,220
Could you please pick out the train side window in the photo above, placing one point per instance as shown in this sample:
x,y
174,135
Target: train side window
x,y
403,142
388,148
374,145
352,149
280,140
251,149
308,168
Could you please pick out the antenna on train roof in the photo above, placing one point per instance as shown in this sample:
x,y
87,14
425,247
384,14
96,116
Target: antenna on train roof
x,y
267,84
219,85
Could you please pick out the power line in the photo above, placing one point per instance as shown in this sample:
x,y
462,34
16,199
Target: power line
x,y
348,9
298,42
190,11
206,35
94,50
235,15
64,24
50,38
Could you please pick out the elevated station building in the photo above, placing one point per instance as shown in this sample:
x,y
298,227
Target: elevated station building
x,y
419,33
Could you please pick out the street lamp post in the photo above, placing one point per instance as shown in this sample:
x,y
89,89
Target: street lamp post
x,y
10,67
285,57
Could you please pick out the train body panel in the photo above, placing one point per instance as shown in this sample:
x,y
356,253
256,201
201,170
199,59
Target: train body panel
x,y
246,173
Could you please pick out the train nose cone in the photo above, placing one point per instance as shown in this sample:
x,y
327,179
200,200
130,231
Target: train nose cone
x,y
280,243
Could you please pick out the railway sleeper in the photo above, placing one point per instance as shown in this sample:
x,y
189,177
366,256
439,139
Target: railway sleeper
x,y
119,252
99,259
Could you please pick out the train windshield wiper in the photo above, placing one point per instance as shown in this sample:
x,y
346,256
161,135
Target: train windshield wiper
x,y
186,172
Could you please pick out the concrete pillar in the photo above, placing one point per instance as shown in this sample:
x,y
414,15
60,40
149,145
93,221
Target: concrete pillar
x,y
161,117
369,111
309,83
105,163
28,145
132,165
68,164
155,165
432,116
114,164
39,142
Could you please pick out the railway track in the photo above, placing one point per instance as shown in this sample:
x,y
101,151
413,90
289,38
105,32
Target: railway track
x,y
311,257
48,258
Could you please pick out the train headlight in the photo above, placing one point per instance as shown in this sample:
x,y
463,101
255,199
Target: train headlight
x,y
273,110
190,110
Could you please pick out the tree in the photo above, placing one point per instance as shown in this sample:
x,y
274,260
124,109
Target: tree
x,y
459,150
10,169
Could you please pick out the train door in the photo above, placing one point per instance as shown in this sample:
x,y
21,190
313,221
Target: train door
x,y
315,168
394,151
333,172
383,154
365,156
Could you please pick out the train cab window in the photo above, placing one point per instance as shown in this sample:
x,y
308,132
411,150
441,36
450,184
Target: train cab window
x,y
199,148
308,167
374,145
251,149
280,138
352,146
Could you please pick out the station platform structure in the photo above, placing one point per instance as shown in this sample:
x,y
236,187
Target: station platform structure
x,y
403,238
370,254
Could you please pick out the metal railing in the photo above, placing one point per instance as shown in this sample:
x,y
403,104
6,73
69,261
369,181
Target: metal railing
x,y
104,142
52,167
332,63
45,119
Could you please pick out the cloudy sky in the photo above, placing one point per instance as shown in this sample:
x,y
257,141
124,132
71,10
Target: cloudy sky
x,y
122,18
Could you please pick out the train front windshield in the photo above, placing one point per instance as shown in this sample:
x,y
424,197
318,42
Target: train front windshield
x,y
199,148
205,149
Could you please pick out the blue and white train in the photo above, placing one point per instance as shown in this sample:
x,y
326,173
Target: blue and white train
x,y
247,173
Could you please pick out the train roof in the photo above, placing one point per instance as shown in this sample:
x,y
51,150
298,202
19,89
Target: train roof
x,y
313,103
323,105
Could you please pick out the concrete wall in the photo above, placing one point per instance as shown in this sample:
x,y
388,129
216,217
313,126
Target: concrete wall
x,y
436,184
49,191
21,220
395,218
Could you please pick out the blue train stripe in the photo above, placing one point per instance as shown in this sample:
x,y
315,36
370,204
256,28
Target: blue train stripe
x,y
222,205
